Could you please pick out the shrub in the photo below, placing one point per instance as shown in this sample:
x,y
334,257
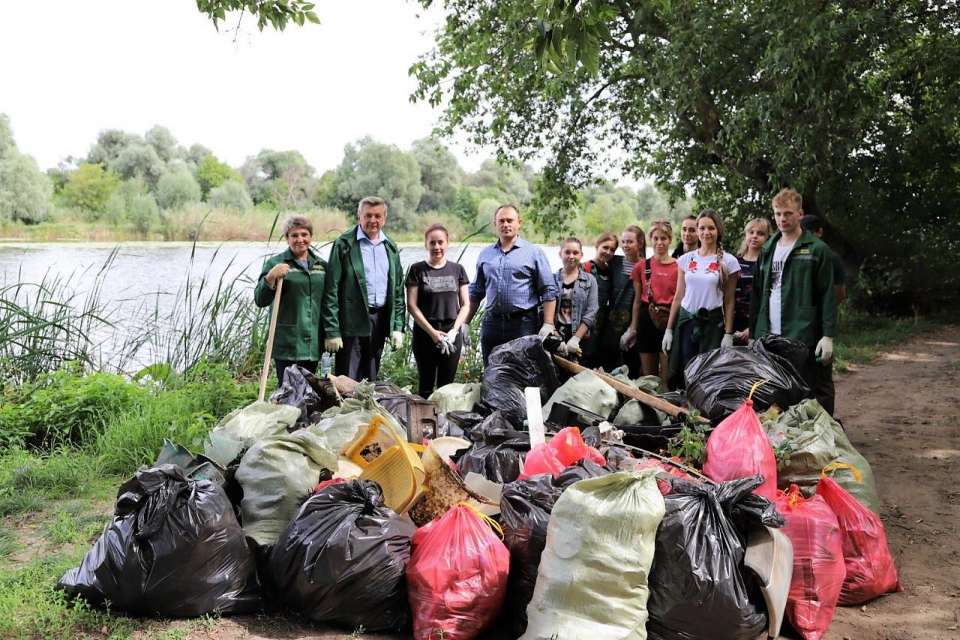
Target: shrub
x,y
143,213
230,195
90,187
176,189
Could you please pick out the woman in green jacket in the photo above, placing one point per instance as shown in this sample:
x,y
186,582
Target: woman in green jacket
x,y
299,335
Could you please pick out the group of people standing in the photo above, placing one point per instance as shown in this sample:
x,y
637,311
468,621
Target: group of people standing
x,y
651,314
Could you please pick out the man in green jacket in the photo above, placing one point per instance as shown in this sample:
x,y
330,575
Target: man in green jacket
x,y
363,297
299,333
793,292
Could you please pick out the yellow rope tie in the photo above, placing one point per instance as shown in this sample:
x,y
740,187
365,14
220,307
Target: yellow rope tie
x,y
756,385
490,521
834,466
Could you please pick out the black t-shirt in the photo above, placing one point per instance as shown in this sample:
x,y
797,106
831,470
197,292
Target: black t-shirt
x,y
438,290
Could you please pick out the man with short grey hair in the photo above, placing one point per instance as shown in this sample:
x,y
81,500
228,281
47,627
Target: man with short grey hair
x,y
363,298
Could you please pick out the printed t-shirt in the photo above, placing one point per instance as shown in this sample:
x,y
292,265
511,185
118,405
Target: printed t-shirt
x,y
780,254
438,290
701,276
663,281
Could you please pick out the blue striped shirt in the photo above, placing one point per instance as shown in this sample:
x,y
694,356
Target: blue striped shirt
x,y
517,280
376,267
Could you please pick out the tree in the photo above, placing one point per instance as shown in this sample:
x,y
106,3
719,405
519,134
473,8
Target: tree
x,y
276,13
852,103
440,175
372,168
138,160
262,172
503,181
230,195
25,191
89,187
176,189
211,173
163,143
109,144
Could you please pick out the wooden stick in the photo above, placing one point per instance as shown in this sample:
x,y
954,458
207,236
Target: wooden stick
x,y
646,398
270,334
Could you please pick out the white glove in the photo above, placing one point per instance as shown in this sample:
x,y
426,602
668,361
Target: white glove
x,y
562,349
396,339
667,340
628,339
465,332
727,340
824,350
545,330
445,347
573,346
332,345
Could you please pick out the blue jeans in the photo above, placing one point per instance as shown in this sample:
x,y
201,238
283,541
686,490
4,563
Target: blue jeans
x,y
497,330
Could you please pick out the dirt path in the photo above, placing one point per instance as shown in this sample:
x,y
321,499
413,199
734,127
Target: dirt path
x,y
903,414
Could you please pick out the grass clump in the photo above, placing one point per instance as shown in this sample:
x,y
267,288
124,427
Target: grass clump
x,y
28,480
862,336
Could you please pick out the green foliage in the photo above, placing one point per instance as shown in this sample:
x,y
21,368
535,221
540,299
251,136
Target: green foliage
x,y
275,13
211,173
28,480
373,168
25,191
279,178
139,160
690,444
163,143
440,175
143,213
230,195
64,407
850,103
74,523
90,187
176,189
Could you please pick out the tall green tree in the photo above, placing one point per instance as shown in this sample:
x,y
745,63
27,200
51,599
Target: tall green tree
x,y
89,187
853,103
211,173
25,191
371,168
440,175
280,178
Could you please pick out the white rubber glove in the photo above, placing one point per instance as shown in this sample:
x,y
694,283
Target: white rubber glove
x,y
824,350
332,345
667,340
727,340
628,339
573,346
465,332
396,339
562,350
545,330
444,347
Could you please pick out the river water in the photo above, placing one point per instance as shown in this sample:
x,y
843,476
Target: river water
x,y
144,277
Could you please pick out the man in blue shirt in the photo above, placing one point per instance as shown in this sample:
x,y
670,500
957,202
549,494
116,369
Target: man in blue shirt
x,y
515,278
363,298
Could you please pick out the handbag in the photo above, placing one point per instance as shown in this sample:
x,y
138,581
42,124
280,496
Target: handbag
x,y
659,313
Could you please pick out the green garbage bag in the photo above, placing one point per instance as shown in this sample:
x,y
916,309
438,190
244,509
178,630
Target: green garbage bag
x,y
456,396
592,580
276,473
587,391
241,428
810,440
341,424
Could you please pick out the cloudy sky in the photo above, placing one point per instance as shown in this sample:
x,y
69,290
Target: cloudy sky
x,y
71,69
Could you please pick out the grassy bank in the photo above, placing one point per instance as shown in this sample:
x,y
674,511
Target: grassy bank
x,y
862,336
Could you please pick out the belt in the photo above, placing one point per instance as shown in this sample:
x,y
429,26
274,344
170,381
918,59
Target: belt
x,y
373,310
513,315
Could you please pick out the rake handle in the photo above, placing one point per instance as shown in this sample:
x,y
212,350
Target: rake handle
x,y
268,352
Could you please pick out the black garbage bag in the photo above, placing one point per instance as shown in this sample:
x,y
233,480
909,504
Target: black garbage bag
x,y
719,381
795,352
525,507
699,588
303,390
513,366
497,450
174,549
342,559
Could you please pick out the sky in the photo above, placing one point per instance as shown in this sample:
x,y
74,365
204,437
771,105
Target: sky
x,y
70,69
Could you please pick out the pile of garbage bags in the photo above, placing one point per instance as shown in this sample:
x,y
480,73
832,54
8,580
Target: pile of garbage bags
x,y
317,503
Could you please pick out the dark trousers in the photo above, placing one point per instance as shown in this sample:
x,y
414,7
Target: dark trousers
x,y
819,378
433,368
496,330
281,365
360,356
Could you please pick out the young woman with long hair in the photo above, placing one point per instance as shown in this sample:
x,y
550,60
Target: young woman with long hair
x,y
576,298
755,234
602,267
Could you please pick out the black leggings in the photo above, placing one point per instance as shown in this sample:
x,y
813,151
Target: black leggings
x,y
434,369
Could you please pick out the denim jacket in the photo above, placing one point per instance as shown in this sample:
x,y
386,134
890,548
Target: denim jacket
x,y
584,298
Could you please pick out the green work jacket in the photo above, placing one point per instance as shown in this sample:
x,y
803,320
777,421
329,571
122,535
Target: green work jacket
x,y
345,295
299,333
808,303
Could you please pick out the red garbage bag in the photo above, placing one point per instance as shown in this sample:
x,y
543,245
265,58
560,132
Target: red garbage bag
x,y
662,484
456,577
566,448
870,570
818,568
739,448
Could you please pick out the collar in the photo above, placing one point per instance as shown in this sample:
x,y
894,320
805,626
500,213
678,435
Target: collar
x,y
310,257
517,244
805,238
361,235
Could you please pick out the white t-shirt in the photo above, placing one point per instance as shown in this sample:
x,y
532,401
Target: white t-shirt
x,y
776,272
701,275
